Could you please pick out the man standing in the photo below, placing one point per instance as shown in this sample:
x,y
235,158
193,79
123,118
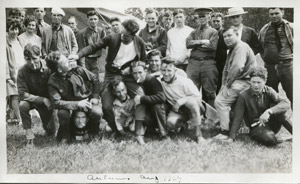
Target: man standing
x,y
72,22
176,47
154,98
58,36
88,36
240,60
182,95
39,14
116,25
276,39
246,34
72,89
154,36
263,110
202,68
33,93
123,48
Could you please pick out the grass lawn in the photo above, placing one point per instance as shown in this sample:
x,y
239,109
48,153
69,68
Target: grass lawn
x,y
178,155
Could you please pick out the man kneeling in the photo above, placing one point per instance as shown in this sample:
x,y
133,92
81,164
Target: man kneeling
x,y
263,110
182,94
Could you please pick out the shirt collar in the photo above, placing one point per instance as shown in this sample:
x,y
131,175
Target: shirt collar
x,y
156,27
94,30
252,93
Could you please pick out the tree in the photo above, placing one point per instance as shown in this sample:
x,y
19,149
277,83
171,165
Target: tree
x,y
137,12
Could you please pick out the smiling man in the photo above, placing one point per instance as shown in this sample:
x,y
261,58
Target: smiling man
x,y
263,110
240,60
88,36
154,36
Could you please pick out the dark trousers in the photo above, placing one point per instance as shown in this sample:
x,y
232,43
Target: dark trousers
x,y
44,113
64,117
107,98
204,74
283,73
266,134
157,118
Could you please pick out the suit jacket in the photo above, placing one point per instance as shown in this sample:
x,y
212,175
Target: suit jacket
x,y
250,37
69,39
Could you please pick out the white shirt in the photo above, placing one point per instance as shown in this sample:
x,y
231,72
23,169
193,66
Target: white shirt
x,y
125,54
34,40
240,30
18,52
177,44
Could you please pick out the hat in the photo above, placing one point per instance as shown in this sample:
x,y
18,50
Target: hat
x,y
58,11
235,11
203,10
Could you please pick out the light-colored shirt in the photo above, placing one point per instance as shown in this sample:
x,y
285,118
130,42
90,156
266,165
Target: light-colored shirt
x,y
18,51
125,54
33,39
177,44
179,88
124,113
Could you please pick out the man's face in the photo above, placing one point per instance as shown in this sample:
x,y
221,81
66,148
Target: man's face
x,y
63,66
151,19
168,71
39,13
120,91
203,19
276,15
257,84
93,21
22,17
217,23
167,21
80,119
154,63
33,61
72,23
31,27
126,37
116,27
230,38
139,74
56,18
15,18
13,32
179,19
236,20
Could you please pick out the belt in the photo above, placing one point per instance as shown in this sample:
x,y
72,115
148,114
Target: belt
x,y
203,58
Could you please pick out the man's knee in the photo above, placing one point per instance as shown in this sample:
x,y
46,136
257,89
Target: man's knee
x,y
264,136
96,112
24,106
192,105
140,112
63,115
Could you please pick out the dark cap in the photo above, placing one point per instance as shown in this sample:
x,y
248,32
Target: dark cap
x,y
203,10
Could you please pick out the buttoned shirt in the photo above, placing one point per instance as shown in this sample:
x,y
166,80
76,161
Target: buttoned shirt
x,y
250,106
58,41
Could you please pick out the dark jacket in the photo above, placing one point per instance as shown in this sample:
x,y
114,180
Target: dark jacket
x,y
32,84
250,37
153,90
113,42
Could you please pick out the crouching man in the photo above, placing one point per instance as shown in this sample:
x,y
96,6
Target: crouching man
x,y
73,89
182,95
32,87
263,110
154,98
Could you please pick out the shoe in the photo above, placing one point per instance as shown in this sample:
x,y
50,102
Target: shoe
x,y
281,139
165,138
220,137
30,143
140,140
200,140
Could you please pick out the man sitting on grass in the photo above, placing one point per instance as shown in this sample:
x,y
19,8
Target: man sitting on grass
x,y
182,95
123,107
263,110
73,89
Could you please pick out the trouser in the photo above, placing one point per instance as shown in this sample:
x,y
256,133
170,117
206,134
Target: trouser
x,y
283,73
92,65
44,113
156,117
64,117
226,98
107,98
266,134
204,74
189,110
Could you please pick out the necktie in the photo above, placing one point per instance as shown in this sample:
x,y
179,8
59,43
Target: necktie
x,y
277,37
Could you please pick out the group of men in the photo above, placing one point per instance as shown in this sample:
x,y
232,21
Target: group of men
x,y
154,79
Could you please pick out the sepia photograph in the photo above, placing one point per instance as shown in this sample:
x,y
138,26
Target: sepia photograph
x,y
135,92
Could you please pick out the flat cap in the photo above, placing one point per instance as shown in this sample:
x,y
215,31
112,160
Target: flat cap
x,y
58,11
